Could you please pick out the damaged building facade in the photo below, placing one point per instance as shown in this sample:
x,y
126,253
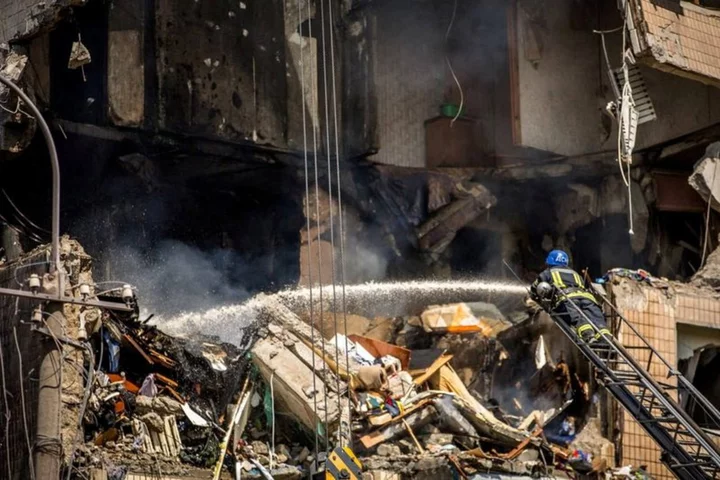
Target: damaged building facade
x,y
472,135
427,192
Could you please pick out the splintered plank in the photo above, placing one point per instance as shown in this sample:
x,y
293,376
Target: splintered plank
x,y
138,348
412,419
421,376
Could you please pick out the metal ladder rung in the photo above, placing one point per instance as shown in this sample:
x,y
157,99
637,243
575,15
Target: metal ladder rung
x,y
650,402
694,464
623,375
659,420
636,347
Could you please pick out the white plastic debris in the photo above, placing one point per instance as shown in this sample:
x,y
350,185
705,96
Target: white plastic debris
x,y
194,417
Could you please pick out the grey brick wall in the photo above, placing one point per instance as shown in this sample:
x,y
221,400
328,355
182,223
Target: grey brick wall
x,y
15,17
19,18
409,79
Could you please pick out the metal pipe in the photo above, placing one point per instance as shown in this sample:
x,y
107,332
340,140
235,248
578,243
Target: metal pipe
x,y
43,297
55,164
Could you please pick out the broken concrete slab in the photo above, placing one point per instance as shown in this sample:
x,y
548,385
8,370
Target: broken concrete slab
x,y
16,126
440,229
709,275
705,178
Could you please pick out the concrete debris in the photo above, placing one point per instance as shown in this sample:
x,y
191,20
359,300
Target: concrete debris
x,y
440,229
13,67
446,403
709,275
705,179
79,56
17,127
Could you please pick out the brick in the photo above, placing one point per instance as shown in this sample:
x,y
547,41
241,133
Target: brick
x,y
697,31
16,13
658,324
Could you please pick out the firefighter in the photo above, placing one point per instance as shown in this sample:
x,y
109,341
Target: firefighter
x,y
558,285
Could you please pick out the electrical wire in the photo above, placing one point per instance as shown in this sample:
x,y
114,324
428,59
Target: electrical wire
x,y
330,204
86,397
626,99
30,235
452,71
21,267
341,218
611,76
7,410
22,400
272,413
319,250
19,212
17,110
307,217
707,218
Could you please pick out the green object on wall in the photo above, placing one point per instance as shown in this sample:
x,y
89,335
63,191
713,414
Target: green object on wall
x,y
450,110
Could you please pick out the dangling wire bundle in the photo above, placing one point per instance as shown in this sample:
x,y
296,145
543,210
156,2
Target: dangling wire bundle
x,y
327,72
307,208
330,196
627,104
341,217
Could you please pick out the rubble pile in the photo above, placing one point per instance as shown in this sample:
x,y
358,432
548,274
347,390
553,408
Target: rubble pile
x,y
450,390
415,409
155,403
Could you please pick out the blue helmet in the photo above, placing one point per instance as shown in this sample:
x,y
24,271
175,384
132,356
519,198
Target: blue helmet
x,y
558,258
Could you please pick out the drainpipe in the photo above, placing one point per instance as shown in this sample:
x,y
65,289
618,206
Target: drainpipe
x,y
55,164
48,445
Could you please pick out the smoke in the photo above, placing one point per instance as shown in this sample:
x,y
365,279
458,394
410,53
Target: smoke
x,y
364,262
174,277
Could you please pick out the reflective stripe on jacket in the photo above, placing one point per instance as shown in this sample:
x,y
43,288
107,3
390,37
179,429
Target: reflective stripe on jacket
x,y
567,281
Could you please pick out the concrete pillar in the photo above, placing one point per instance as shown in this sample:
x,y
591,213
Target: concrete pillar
x,y
48,452
11,243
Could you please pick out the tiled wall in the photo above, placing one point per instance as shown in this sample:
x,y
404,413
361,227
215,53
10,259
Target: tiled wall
x,y
409,79
685,34
15,14
655,315
19,18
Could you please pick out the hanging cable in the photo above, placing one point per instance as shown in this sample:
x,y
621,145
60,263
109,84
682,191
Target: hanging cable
x,y
330,203
7,411
272,414
341,217
707,218
319,250
30,222
307,217
627,104
452,71
22,403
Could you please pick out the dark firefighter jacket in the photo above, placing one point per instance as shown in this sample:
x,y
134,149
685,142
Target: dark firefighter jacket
x,y
565,280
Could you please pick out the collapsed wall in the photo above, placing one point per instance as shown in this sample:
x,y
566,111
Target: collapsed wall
x,y
494,388
680,321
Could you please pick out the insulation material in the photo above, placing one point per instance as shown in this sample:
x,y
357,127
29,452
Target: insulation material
x,y
457,318
541,354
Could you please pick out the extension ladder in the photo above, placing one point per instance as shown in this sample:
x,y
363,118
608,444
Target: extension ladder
x,y
689,451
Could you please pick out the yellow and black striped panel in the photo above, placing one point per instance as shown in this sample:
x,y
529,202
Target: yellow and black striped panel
x,y
566,278
343,465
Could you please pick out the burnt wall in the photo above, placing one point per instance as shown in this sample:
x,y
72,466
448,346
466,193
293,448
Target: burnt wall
x,y
222,69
